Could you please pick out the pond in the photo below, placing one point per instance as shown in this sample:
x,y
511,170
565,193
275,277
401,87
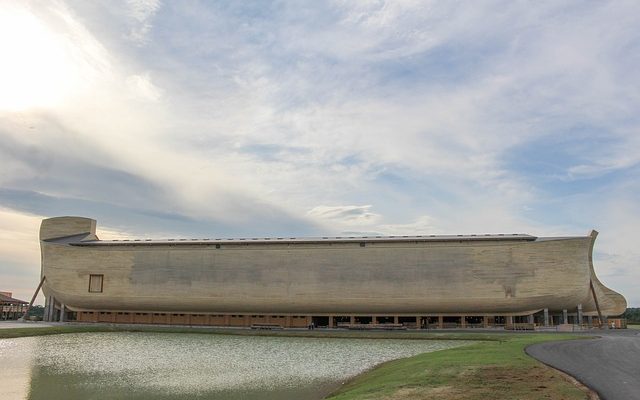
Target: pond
x,y
122,365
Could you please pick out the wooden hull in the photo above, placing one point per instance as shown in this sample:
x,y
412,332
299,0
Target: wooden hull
x,y
399,277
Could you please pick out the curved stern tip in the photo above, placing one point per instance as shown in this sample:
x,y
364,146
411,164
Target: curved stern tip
x,y
611,302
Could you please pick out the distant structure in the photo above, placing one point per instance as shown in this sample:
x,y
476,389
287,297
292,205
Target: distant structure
x,y
403,281
11,308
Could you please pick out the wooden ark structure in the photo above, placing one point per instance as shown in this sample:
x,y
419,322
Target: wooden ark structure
x,y
414,281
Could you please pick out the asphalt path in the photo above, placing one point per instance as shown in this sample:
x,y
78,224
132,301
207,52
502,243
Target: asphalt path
x,y
610,365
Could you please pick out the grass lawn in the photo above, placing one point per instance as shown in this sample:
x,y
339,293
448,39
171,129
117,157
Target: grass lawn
x,y
73,328
633,326
487,370
51,330
494,368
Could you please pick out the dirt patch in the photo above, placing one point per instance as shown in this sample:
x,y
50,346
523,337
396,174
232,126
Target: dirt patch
x,y
441,392
591,395
496,382
536,382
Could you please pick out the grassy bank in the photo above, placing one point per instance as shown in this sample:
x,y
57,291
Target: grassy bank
x,y
10,333
73,328
488,370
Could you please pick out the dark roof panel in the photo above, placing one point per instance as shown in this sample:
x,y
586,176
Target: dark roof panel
x,y
324,239
7,299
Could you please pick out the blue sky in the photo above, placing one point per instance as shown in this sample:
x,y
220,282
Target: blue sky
x,y
218,119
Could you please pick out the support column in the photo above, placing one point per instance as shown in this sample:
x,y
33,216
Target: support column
x,y
330,321
54,312
485,321
418,323
508,321
530,319
565,317
579,314
62,314
590,320
395,319
352,319
47,304
52,309
546,317
463,322
440,321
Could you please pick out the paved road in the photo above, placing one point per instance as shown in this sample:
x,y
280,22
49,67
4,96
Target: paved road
x,y
609,365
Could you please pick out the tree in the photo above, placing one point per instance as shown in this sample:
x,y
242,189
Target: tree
x,y
36,311
632,315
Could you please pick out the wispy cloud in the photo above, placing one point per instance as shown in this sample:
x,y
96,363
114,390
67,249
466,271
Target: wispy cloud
x,y
140,15
346,215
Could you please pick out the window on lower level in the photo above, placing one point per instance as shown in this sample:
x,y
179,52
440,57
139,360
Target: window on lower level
x,y
95,283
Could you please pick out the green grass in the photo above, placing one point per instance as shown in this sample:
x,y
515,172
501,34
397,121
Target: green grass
x,y
9,333
487,370
633,326
73,328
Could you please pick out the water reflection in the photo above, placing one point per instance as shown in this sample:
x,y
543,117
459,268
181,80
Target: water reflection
x,y
187,366
15,369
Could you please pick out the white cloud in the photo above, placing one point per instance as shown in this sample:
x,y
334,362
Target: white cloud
x,y
48,57
19,253
345,215
141,13
141,87
19,239
613,157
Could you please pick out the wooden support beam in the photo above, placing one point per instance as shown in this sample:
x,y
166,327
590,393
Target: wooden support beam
x,y
24,316
595,299
52,309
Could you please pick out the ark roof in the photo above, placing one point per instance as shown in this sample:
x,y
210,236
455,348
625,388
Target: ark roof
x,y
77,240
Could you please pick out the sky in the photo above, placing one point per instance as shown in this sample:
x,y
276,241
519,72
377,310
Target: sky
x,y
241,119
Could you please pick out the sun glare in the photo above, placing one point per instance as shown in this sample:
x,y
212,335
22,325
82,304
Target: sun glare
x,y
36,69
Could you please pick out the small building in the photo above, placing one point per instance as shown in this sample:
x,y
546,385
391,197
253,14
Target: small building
x,y
11,308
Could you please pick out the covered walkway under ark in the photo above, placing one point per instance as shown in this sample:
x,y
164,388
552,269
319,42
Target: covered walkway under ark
x,y
541,319
11,308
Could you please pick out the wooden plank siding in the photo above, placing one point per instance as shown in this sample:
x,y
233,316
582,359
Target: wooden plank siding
x,y
231,282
